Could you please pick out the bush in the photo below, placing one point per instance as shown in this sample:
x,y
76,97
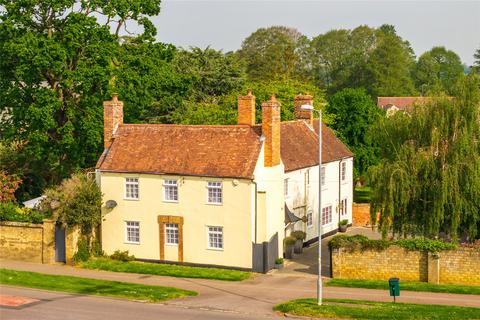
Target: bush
x,y
343,222
299,235
96,249
279,261
83,251
10,211
289,241
363,243
122,256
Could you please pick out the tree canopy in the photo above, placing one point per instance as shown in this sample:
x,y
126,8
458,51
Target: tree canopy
x,y
354,116
428,182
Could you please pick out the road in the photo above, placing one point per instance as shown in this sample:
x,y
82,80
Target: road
x,y
63,306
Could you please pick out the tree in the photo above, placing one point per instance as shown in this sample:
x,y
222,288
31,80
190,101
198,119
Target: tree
x,y
56,64
8,185
428,182
354,115
212,72
476,63
389,65
438,70
273,53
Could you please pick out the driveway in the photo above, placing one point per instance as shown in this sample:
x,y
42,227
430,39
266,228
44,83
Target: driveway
x,y
306,264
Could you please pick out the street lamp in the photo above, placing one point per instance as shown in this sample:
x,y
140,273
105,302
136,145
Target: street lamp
x,y
308,107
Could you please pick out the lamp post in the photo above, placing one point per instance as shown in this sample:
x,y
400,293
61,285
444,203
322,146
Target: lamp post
x,y
319,279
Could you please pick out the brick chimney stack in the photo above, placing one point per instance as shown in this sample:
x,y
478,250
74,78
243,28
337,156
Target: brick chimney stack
x,y
112,118
246,109
271,131
306,115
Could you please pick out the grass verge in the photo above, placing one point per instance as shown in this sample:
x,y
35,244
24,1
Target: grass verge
x,y
405,285
361,195
358,309
170,270
86,286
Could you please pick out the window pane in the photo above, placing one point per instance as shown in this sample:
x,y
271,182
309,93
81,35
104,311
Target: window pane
x,y
214,192
133,231
171,233
215,237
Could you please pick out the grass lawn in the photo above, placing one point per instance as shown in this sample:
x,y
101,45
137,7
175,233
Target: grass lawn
x,y
170,270
361,195
91,286
405,285
358,309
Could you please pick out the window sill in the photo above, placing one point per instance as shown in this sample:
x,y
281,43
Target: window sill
x,y
214,204
170,201
215,249
131,199
126,242
172,244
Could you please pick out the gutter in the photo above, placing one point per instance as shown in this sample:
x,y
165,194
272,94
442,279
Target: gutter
x,y
255,210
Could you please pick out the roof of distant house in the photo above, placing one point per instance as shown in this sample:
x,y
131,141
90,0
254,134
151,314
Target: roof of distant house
x,y
214,151
402,103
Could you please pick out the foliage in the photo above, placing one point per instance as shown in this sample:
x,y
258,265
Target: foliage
x,y
96,287
369,310
298,234
428,182
8,184
122,256
83,251
361,242
405,285
476,63
212,73
96,249
279,261
343,222
361,194
289,241
170,270
10,211
438,70
76,202
273,53
56,66
354,116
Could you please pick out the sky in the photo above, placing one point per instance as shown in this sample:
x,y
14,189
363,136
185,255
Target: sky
x,y
224,24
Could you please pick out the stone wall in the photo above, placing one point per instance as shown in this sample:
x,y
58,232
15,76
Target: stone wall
x,y
460,266
28,242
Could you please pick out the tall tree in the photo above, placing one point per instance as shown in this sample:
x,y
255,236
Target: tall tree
x,y
55,67
438,70
354,116
429,180
273,53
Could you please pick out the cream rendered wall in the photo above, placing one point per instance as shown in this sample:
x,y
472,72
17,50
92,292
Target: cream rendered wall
x,y
234,215
270,181
300,189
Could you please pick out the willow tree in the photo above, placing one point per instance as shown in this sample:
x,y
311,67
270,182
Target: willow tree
x,y
428,183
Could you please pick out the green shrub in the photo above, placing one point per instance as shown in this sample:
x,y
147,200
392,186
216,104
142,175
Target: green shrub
x,y
83,251
343,222
279,261
122,256
363,243
9,211
299,235
289,241
96,249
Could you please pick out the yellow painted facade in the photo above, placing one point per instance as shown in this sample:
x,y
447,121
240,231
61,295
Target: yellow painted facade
x,y
233,215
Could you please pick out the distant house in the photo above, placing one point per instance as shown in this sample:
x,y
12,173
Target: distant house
x,y
218,194
405,104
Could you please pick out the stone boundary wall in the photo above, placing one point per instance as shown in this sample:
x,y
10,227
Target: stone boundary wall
x,y
28,242
459,266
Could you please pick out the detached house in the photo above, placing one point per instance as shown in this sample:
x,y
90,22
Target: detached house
x,y
209,195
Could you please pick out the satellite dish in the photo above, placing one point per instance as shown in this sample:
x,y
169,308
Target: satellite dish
x,y
110,204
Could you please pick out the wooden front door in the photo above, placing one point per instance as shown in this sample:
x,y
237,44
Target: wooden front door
x,y
171,238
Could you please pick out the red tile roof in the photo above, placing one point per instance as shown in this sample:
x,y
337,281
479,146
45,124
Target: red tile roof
x,y
215,151
402,103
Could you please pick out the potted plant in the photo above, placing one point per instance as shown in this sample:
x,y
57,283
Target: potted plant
x,y
343,225
279,263
289,244
299,236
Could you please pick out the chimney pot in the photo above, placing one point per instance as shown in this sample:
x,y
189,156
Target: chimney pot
x,y
301,114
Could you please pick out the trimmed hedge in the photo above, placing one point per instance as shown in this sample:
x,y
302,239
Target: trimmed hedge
x,y
364,243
